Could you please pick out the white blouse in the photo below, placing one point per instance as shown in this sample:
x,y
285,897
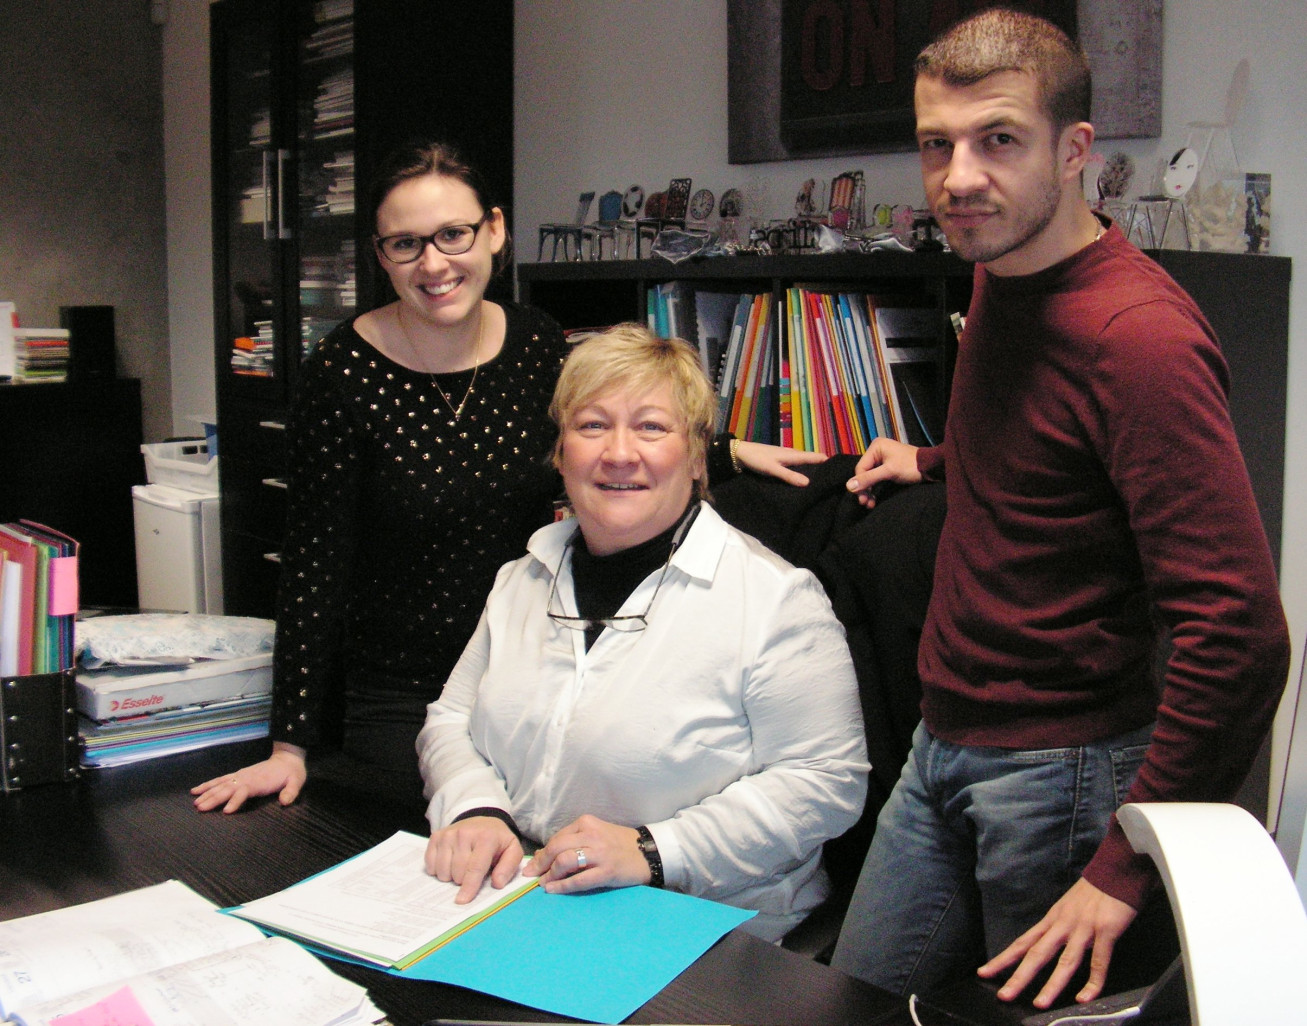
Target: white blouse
x,y
730,726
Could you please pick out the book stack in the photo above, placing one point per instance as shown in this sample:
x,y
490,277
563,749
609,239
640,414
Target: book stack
x,y
337,194
349,287
253,356
334,36
333,107
40,354
38,599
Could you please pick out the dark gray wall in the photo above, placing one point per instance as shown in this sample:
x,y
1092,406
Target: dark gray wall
x,y
81,176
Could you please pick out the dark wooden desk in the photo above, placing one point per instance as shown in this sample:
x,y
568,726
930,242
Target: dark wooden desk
x,y
129,827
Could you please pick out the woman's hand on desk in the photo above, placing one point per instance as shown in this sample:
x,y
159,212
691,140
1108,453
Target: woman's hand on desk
x,y
467,851
589,853
283,773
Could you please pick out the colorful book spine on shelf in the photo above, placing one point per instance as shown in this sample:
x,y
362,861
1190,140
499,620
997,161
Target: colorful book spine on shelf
x,y
802,404
784,414
730,361
893,427
714,316
819,410
846,392
756,346
865,359
854,363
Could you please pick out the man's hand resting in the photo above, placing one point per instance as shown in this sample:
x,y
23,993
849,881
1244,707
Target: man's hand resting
x,y
1083,919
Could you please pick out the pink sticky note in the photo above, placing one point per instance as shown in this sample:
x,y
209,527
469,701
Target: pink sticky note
x,y
118,1009
63,586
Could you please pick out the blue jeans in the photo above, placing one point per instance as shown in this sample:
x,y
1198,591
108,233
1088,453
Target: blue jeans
x,y
972,848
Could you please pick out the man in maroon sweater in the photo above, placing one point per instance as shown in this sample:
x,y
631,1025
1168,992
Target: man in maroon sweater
x,y
1096,494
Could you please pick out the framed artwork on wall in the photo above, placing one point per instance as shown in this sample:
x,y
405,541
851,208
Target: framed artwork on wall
x,y
824,77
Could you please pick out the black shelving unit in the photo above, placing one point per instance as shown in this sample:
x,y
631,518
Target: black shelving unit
x,y
307,97
597,293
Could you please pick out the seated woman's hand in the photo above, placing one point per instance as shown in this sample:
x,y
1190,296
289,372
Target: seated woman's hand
x,y
776,461
283,773
589,853
467,851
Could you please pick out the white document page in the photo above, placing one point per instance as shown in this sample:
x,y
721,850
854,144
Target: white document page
x,y
55,953
272,981
380,906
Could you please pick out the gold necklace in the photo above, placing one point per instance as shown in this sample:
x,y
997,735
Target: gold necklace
x,y
457,411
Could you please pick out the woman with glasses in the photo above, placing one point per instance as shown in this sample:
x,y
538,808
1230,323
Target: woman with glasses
x,y
651,696
418,452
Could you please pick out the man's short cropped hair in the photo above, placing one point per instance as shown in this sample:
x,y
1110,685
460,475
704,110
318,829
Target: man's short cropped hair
x,y
999,39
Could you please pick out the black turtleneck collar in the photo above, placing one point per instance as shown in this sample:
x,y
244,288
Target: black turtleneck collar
x,y
602,583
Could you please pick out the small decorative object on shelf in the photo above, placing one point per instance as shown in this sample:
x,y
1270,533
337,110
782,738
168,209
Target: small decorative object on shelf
x,y
806,204
632,201
729,208
1114,178
1233,215
701,205
847,201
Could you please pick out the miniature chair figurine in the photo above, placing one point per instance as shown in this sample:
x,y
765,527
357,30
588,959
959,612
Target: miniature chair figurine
x,y
670,213
568,233
627,226
594,233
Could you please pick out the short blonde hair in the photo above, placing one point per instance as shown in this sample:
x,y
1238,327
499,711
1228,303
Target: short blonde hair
x,y
629,357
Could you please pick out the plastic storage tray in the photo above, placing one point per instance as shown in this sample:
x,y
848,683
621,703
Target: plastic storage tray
x,y
186,465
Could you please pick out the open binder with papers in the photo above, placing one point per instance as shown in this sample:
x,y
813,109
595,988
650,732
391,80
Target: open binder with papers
x,y
382,909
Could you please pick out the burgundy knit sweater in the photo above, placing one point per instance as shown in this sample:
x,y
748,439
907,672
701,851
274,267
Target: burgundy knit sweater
x,y
1094,481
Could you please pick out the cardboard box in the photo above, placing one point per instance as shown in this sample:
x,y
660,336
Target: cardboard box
x,y
116,692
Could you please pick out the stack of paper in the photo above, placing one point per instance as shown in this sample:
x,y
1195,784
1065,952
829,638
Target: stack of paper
x,y
164,955
41,354
131,713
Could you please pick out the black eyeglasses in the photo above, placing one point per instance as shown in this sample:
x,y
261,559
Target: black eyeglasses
x,y
452,240
626,624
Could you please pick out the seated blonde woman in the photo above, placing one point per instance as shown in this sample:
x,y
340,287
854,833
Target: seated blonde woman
x,y
651,696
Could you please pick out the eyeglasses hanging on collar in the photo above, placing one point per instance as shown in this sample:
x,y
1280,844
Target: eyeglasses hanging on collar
x,y
627,624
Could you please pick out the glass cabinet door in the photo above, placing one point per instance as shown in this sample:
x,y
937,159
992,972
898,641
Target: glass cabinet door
x,y
326,249
252,166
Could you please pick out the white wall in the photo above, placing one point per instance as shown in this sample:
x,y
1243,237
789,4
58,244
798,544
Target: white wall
x,y
616,92
188,208
81,183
